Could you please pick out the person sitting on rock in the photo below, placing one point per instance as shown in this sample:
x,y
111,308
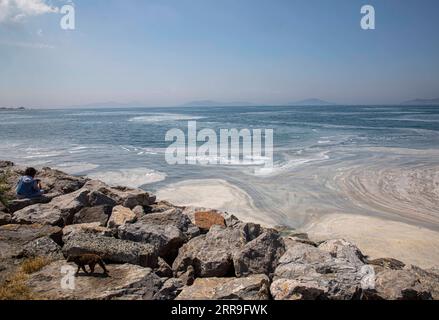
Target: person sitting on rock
x,y
28,187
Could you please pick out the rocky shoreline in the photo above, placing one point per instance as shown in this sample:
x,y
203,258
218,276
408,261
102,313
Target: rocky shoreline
x,y
156,250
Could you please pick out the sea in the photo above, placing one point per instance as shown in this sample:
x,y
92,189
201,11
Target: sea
x,y
329,159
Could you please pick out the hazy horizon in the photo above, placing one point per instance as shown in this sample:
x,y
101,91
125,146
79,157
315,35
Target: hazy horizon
x,y
167,53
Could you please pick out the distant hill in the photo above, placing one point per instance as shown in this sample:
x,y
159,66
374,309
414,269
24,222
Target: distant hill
x,y
311,102
211,103
422,102
12,109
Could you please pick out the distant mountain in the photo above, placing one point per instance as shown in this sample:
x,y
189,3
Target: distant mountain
x,y
12,109
422,102
211,103
311,102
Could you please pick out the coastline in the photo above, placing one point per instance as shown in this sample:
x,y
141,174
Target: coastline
x,y
166,251
376,237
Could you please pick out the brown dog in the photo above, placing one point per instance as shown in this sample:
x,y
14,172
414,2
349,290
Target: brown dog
x,y
87,259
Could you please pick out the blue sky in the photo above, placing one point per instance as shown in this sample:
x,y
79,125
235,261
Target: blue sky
x,y
168,52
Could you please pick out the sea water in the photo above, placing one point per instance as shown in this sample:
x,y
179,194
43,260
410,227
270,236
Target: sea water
x,y
318,154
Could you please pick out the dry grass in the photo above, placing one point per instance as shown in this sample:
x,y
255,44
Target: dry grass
x,y
15,287
33,265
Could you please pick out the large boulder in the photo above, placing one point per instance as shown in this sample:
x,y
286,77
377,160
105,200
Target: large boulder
x,y
54,182
18,204
111,249
61,210
307,272
42,247
99,214
127,281
211,255
254,287
90,228
58,212
343,249
409,283
206,219
120,216
259,256
13,238
166,231
126,197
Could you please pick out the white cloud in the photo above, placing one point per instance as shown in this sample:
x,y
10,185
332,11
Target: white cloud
x,y
17,10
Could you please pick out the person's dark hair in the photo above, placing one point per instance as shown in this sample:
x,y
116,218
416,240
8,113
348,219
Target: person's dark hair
x,y
30,172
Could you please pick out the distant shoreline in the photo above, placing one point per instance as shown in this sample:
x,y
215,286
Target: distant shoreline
x,y
12,109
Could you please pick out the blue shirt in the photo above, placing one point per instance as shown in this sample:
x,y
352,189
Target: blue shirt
x,y
27,187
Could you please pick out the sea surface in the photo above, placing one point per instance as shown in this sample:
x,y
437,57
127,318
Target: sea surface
x,y
370,160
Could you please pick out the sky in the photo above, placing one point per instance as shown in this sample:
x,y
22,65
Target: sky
x,y
169,52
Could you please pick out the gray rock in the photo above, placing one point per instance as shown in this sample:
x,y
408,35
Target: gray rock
x,y
139,211
343,249
120,216
58,212
299,289
5,218
61,210
163,270
259,256
99,214
410,283
16,205
307,272
170,289
54,182
111,249
167,231
13,237
255,287
126,281
42,247
211,254
91,228
188,277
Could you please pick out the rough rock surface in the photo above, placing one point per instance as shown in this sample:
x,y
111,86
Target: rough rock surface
x,y
61,210
58,212
111,249
255,287
259,256
42,247
120,216
211,255
54,182
409,283
93,228
5,218
126,281
206,219
163,269
99,214
167,231
14,237
307,272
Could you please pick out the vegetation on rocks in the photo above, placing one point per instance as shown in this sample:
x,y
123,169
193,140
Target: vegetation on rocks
x,y
15,287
